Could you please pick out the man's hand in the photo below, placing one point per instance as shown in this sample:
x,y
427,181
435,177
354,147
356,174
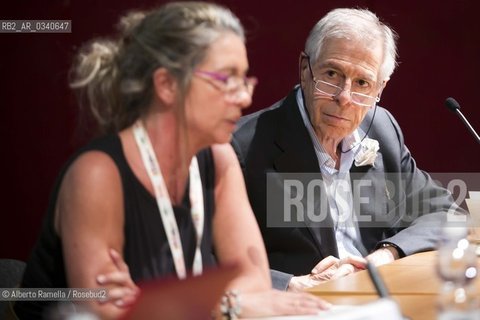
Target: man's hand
x,y
328,268
333,268
300,283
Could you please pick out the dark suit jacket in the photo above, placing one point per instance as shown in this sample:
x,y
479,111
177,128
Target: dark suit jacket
x,y
275,140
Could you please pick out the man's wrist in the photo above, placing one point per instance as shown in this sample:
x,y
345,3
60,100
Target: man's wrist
x,y
293,284
394,250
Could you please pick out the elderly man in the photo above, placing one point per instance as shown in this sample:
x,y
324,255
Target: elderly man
x,y
329,133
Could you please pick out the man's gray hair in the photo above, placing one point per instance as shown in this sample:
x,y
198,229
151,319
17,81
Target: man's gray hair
x,y
358,24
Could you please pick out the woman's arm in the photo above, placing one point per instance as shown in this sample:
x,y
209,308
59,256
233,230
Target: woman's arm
x,y
89,219
237,239
236,235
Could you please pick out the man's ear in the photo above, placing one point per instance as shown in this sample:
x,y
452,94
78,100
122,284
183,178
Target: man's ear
x,y
164,86
384,84
302,67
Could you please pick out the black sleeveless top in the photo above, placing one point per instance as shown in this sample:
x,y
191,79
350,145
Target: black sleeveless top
x,y
146,249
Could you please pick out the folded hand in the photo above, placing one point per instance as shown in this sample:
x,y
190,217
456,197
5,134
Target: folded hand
x,y
122,290
327,269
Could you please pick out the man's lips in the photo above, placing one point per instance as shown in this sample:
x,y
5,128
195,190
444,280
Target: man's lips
x,y
335,117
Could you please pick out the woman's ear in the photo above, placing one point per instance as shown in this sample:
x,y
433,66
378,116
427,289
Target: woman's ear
x,y
165,86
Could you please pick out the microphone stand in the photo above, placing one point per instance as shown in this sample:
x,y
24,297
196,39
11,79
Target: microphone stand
x,y
372,270
468,125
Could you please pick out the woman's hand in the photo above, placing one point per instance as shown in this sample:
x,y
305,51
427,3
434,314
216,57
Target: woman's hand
x,y
275,303
123,290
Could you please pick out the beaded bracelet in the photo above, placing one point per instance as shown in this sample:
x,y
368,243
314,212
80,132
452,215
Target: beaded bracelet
x,y
230,306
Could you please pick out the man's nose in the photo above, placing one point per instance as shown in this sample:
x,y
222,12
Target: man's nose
x,y
344,97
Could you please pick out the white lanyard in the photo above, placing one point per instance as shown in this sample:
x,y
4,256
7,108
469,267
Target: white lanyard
x,y
165,205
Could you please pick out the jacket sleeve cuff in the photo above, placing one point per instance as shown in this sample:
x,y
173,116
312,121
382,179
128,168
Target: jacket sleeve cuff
x,y
280,280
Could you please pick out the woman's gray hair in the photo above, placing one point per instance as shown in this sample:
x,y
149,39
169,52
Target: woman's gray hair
x,y
114,77
357,24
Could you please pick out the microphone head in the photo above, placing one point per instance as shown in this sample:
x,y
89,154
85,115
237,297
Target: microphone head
x,y
452,104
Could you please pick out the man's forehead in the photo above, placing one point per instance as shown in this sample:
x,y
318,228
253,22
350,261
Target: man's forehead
x,y
352,55
348,68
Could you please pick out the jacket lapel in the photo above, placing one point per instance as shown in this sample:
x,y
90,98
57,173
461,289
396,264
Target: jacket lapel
x,y
370,194
298,156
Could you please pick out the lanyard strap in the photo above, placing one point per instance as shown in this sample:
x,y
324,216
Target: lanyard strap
x,y
165,205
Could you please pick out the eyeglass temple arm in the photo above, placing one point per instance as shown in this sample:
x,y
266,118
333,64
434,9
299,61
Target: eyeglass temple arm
x,y
306,56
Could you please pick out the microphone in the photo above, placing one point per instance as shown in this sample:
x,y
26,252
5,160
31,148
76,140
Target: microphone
x,y
453,106
372,310
372,270
377,280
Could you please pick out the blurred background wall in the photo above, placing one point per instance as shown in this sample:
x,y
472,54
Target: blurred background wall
x,y
439,49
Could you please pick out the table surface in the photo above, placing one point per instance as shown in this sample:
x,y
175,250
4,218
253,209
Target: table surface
x,y
411,281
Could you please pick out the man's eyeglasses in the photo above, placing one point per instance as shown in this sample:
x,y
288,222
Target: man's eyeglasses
x,y
330,90
230,85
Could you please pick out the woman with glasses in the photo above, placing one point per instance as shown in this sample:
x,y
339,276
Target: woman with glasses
x,y
161,189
